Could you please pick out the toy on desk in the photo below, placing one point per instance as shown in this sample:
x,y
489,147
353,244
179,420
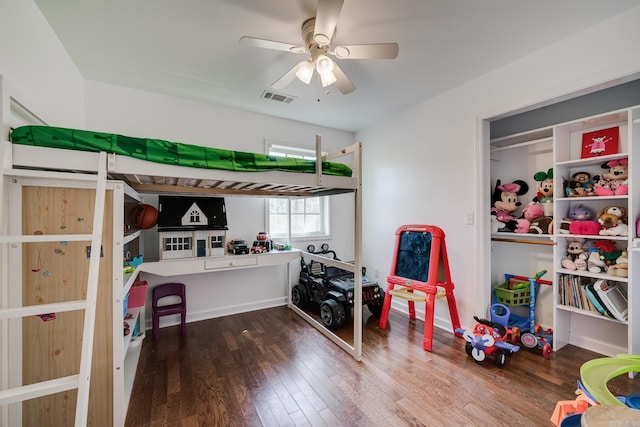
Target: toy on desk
x,y
262,243
489,338
505,203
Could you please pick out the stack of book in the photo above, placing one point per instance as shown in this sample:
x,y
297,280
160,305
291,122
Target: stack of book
x,y
601,296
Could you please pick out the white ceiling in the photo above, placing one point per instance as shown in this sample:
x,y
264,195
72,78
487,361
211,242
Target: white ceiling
x,y
190,49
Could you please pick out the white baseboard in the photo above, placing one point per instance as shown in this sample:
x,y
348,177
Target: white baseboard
x,y
195,316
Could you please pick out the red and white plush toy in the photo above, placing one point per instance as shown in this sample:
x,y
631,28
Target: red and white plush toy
x,y
616,181
613,221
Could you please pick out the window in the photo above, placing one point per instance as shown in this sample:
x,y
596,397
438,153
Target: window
x,y
177,243
309,217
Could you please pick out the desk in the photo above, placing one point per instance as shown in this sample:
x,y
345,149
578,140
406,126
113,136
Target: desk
x,y
177,267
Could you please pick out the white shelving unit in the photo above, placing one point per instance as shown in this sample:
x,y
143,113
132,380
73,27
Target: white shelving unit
x,y
126,348
519,157
580,326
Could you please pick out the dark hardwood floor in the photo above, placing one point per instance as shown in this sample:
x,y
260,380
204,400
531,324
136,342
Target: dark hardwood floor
x,y
270,368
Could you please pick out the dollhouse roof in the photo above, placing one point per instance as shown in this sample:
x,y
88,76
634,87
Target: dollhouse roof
x,y
179,213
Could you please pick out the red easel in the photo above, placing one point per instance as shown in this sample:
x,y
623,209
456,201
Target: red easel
x,y
426,266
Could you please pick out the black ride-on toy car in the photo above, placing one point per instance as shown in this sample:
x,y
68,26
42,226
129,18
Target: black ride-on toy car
x,y
332,289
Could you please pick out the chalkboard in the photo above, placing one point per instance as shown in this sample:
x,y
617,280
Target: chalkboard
x,y
414,254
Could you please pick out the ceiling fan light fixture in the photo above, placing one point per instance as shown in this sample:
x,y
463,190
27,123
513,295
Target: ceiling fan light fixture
x,y
324,64
305,71
327,78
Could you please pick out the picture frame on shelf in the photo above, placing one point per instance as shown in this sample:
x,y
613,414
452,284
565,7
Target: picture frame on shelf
x,y
600,142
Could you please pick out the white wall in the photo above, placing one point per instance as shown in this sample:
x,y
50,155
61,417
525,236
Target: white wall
x,y
131,112
37,66
431,165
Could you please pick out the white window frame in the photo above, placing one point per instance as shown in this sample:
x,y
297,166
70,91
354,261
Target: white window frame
x,y
286,149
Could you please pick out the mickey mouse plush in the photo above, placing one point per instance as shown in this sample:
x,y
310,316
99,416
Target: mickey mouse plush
x,y
545,189
505,202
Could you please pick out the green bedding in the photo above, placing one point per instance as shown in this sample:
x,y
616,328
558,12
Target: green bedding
x,y
172,153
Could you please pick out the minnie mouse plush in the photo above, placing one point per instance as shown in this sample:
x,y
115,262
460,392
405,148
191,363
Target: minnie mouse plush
x,y
616,181
505,202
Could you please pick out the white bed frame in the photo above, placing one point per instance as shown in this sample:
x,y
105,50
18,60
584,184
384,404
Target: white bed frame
x,y
149,177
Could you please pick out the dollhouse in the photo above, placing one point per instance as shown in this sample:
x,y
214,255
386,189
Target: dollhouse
x,y
191,227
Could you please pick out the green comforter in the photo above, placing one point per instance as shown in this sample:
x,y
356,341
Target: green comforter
x,y
172,153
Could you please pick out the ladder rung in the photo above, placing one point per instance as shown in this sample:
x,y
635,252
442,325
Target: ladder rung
x,y
34,173
45,238
34,310
43,388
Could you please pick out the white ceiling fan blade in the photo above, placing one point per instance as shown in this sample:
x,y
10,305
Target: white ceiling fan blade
x,y
326,20
342,82
271,44
287,77
367,51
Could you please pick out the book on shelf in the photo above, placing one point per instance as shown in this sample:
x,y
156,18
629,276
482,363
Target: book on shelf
x,y
598,296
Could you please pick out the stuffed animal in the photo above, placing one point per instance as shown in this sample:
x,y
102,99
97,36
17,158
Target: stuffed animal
x,y
609,252
539,223
576,258
583,221
505,202
545,188
616,181
621,267
595,263
544,195
580,185
612,219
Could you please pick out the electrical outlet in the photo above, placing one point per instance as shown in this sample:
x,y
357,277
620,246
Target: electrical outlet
x,y
376,273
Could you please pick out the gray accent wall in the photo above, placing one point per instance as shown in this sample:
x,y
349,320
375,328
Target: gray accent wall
x,y
610,99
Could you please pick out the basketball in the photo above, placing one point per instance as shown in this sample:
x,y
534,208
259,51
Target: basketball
x,y
143,217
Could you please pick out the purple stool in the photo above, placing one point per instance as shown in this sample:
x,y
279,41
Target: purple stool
x,y
169,290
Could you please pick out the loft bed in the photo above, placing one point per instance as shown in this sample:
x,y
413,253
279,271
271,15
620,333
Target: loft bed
x,y
27,151
158,166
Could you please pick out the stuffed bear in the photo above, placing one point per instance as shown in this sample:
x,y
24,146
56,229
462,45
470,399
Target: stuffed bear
x,y
612,219
620,268
505,202
616,181
580,185
583,221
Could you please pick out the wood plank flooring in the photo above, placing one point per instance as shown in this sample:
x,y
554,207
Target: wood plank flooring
x,y
270,368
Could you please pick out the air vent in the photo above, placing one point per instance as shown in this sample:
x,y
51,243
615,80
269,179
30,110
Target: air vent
x,y
267,94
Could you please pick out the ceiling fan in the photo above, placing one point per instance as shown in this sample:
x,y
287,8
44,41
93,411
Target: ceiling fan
x,y
317,34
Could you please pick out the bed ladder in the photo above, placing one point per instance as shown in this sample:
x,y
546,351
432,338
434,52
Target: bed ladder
x,y
82,380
